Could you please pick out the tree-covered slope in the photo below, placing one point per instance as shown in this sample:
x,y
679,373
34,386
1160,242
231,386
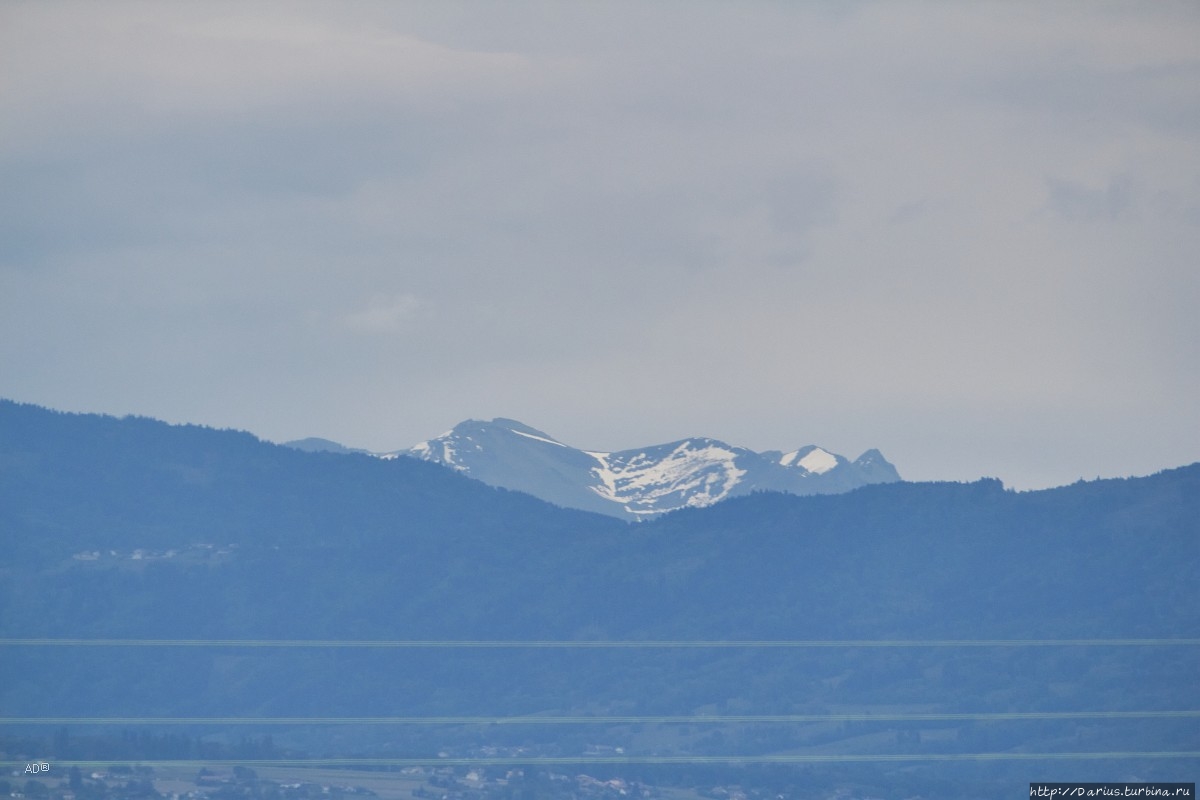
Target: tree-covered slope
x,y
133,528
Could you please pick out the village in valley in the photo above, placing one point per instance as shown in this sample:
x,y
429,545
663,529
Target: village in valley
x,y
460,782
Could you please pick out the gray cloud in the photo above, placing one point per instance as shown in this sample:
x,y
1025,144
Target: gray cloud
x,y
964,234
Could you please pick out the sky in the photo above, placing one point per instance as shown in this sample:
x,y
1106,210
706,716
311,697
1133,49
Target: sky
x,y
963,233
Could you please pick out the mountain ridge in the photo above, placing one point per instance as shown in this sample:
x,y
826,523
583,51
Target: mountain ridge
x,y
133,529
639,483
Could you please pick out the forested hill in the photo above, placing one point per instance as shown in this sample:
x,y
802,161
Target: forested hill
x,y
134,528
70,482
326,543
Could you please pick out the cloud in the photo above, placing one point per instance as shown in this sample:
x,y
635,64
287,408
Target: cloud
x,y
620,222
190,61
385,314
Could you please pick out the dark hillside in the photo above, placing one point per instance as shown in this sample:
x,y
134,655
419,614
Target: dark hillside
x,y
133,528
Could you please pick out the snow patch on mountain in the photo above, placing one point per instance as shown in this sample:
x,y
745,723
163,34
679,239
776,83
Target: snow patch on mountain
x,y
694,473
639,483
813,459
441,450
538,438
818,461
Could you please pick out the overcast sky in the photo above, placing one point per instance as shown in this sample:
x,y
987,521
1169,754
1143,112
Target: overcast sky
x,y
964,233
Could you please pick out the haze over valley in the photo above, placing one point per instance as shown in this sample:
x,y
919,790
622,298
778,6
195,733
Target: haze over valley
x,y
818,384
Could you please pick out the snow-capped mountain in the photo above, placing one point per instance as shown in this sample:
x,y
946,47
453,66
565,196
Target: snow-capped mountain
x,y
640,483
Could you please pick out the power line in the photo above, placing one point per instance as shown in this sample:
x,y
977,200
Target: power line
x,y
816,758
637,644
698,719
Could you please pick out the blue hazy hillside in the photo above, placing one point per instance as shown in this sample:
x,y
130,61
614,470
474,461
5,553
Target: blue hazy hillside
x,y
132,528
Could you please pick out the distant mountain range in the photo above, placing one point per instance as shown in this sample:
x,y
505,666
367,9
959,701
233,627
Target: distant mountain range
x,y
632,484
916,637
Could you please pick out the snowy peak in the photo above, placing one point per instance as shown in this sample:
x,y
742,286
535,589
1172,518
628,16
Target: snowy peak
x,y
875,468
513,426
812,459
643,482
688,473
461,447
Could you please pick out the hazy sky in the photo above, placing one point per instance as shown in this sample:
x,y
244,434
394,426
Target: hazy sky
x,y
964,233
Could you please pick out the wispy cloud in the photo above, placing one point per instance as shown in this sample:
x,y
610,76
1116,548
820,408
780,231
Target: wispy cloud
x,y
618,221
385,313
